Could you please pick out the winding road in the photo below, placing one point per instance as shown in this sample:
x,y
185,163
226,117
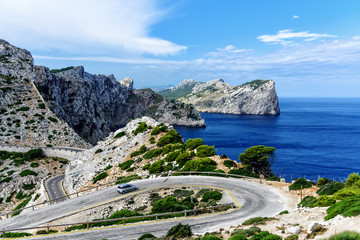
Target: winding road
x,y
55,189
254,198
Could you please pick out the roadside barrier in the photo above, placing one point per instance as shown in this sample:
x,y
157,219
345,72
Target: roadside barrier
x,y
155,216
164,174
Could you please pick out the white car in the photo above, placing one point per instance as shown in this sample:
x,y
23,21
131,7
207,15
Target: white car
x,y
124,188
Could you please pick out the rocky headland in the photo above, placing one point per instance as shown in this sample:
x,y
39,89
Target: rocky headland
x,y
257,97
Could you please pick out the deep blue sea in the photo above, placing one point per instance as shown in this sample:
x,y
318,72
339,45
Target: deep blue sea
x,y
313,137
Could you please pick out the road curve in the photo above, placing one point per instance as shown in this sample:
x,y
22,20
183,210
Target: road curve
x,y
255,199
54,188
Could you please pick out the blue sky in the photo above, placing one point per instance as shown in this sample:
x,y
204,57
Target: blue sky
x,y
309,48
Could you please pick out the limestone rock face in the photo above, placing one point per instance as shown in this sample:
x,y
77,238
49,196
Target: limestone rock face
x,y
95,105
255,97
25,118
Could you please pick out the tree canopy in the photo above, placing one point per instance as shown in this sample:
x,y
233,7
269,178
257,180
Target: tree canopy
x,y
259,159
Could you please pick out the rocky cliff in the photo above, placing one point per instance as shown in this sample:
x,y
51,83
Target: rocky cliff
x,y
25,118
255,97
95,105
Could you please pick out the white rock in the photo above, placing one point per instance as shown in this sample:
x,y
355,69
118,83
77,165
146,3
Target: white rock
x,y
293,230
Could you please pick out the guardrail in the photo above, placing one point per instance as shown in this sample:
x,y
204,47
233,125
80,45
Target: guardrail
x,y
156,216
167,174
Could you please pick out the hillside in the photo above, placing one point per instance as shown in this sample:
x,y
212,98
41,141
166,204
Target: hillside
x,y
25,118
255,97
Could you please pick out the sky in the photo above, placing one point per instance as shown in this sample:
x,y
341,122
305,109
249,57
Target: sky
x,y
309,48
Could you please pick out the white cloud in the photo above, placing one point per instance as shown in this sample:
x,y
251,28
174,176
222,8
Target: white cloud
x,y
288,36
108,27
295,17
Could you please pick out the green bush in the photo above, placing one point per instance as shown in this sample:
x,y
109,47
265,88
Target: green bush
x,y
152,140
346,192
192,144
156,167
323,181
147,236
17,234
201,164
108,167
146,166
229,163
324,201
153,153
273,178
27,172
330,188
284,212
308,201
347,207
41,105
352,179
246,232
127,179
238,237
21,205
261,235
155,131
141,128
243,172
99,150
292,237
53,119
7,179
272,237
23,109
215,195
100,176
126,165
34,153
170,137
300,183
183,193
205,151
20,195
257,220
34,164
168,204
29,186
120,134
347,235
179,231
172,156
210,238
182,158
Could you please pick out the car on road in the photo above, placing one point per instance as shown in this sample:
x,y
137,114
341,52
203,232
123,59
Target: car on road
x,y
124,188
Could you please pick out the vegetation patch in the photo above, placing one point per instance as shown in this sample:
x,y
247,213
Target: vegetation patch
x,y
61,69
100,177
330,188
347,207
205,151
347,235
308,201
27,172
153,153
201,164
300,183
171,136
258,220
179,231
51,119
141,128
120,134
126,165
192,144
243,172
229,163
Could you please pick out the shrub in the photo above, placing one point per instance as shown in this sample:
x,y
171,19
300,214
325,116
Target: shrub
x,y
99,150
346,192
273,178
28,186
300,183
141,128
330,188
246,232
17,234
272,237
257,220
120,134
146,166
41,105
34,153
126,165
127,179
168,204
153,153
292,237
202,192
21,205
182,158
34,164
155,131
108,167
27,172
205,151
20,195
53,119
243,172
223,156
347,235
347,207
201,164
152,140
135,153
170,137
261,235
172,156
352,179
229,163
323,181
156,167
99,177
308,201
183,193
192,144
179,231
284,212
238,237
215,195
23,109
324,201
210,238
147,236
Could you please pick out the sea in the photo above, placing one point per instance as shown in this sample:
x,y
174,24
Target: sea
x,y
313,137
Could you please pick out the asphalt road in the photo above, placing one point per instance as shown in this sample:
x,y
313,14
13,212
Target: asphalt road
x,y
54,188
255,200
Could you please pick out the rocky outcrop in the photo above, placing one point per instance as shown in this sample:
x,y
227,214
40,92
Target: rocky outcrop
x,y
25,118
95,105
255,97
